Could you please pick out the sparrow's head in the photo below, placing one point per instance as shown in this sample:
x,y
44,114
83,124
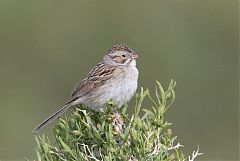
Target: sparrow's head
x,y
120,55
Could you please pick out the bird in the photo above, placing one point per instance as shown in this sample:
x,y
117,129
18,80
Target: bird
x,y
115,78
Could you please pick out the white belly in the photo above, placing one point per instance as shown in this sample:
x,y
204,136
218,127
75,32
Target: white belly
x,y
119,89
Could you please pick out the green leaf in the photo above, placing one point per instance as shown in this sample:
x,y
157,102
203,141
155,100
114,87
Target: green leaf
x,y
90,135
66,148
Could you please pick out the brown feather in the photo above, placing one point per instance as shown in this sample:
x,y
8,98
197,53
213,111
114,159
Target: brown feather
x,y
98,76
120,47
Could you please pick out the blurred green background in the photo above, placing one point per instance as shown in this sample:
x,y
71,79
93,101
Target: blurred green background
x,y
48,46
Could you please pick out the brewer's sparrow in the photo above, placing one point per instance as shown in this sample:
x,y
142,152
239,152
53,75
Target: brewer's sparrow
x,y
115,77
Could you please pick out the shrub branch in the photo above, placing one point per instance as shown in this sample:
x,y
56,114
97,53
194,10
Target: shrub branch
x,y
113,135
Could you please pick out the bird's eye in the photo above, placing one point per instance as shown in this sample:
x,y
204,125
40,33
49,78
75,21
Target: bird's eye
x,y
123,56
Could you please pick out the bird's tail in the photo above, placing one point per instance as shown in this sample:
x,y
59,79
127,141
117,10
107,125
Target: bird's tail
x,y
51,118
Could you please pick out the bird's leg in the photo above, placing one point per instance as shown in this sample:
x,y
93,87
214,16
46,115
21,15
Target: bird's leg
x,y
117,122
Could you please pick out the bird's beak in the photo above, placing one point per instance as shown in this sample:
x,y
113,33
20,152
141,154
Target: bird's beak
x,y
135,56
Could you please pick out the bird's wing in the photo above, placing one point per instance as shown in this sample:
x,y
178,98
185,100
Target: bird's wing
x,y
98,76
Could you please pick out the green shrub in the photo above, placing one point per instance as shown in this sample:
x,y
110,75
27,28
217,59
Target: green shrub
x,y
114,136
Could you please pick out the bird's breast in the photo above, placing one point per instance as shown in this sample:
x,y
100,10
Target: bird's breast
x,y
120,88
124,85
